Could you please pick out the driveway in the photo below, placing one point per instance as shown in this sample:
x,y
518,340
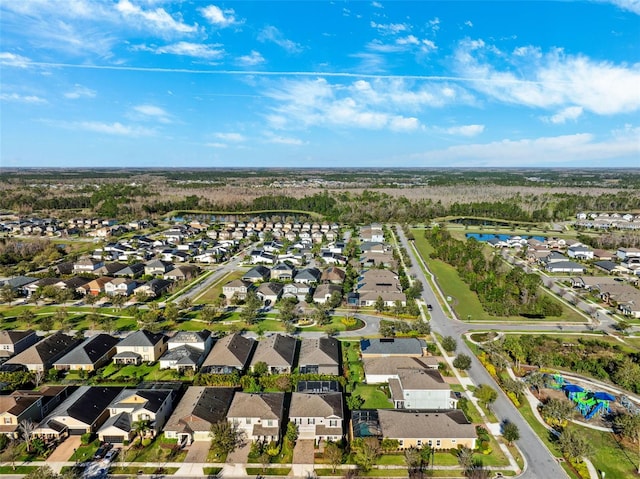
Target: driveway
x,y
240,455
198,451
303,452
65,450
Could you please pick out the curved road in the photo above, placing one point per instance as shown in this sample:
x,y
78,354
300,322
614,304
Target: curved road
x,y
540,463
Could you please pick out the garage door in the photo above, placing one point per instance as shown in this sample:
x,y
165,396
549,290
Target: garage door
x,y
77,432
114,439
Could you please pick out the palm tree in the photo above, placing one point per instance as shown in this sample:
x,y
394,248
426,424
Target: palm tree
x,y
141,427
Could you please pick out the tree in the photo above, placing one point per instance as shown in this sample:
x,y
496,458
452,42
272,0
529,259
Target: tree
x,y
118,300
26,428
412,459
462,361
465,458
292,433
536,380
367,451
486,394
46,323
7,294
27,317
333,454
623,326
185,304
557,411
628,426
449,344
260,369
141,427
510,432
335,299
226,437
11,453
574,445
252,305
321,315
38,377
379,305
208,314
354,402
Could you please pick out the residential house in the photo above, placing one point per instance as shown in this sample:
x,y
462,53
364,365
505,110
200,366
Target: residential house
x,y
134,270
91,354
333,275
157,267
385,347
278,351
373,233
110,269
319,356
42,355
19,283
38,285
318,416
565,267
297,290
154,288
625,253
229,354
87,265
308,276
380,283
323,292
199,408
260,416
72,284
262,257
14,342
84,411
610,267
238,289
135,406
381,369
182,273
140,346
257,274
269,293
439,430
29,406
96,286
187,350
333,258
421,389
283,272
580,251
120,286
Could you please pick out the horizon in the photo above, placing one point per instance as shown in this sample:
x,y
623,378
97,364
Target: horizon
x,y
362,84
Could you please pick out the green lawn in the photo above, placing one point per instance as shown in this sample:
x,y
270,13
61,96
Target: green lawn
x,y
85,452
274,471
144,371
215,290
160,450
374,397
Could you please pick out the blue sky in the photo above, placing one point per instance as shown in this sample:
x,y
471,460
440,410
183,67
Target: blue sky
x,y
153,83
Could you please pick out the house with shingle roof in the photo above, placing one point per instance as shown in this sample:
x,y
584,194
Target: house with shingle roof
x,y
257,274
421,389
319,356
140,346
43,354
270,292
260,416
308,276
91,354
199,408
237,288
134,270
278,351
83,411
333,275
187,350
229,354
380,369
29,405
135,405
318,416
14,342
410,347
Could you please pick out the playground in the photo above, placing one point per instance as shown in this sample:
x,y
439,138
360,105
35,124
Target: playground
x,y
593,405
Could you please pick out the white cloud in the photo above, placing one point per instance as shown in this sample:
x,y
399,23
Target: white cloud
x,y
465,130
189,49
115,128
284,140
545,151
217,145
550,80
469,23
231,137
219,17
15,97
434,24
376,5
569,113
400,123
630,5
13,60
273,35
159,19
80,91
253,58
151,112
390,28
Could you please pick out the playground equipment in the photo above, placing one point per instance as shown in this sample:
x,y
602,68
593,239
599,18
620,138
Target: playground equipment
x,y
629,405
587,402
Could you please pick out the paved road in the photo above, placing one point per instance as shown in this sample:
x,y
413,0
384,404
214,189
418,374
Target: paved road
x,y
540,463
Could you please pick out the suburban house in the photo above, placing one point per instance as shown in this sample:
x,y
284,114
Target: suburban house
x,y
262,257
257,274
133,406
439,430
380,283
308,276
238,289
140,346
187,350
624,296
199,408
580,251
134,270
625,253
297,290
29,405
610,267
87,265
120,286
85,410
182,273
42,355
153,288
318,416
333,275
278,352
283,272
157,267
95,287
270,292
324,292
110,269
380,369
229,354
93,353
260,416
14,342
372,233
319,356
421,389
410,347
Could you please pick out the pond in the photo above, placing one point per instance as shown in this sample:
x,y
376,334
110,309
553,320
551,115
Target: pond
x,y
502,237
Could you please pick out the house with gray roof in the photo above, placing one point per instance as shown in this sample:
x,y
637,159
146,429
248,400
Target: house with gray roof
x,y
270,292
308,276
229,354
260,416
199,408
283,272
257,274
237,288
93,353
14,342
421,389
140,346
319,417
319,356
380,369
411,347
134,270
278,351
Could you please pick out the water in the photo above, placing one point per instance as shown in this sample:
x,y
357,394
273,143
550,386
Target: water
x,y
487,237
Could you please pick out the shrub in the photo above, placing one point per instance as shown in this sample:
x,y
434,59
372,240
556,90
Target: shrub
x,y
146,441
86,438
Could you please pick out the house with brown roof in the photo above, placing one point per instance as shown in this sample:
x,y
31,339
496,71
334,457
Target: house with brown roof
x,y
199,408
269,293
229,354
14,342
29,405
43,354
278,351
334,275
380,369
319,356
237,289
324,292
182,273
318,416
260,416
421,389
96,286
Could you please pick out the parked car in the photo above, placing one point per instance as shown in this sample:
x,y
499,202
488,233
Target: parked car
x,y
102,450
109,456
429,307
